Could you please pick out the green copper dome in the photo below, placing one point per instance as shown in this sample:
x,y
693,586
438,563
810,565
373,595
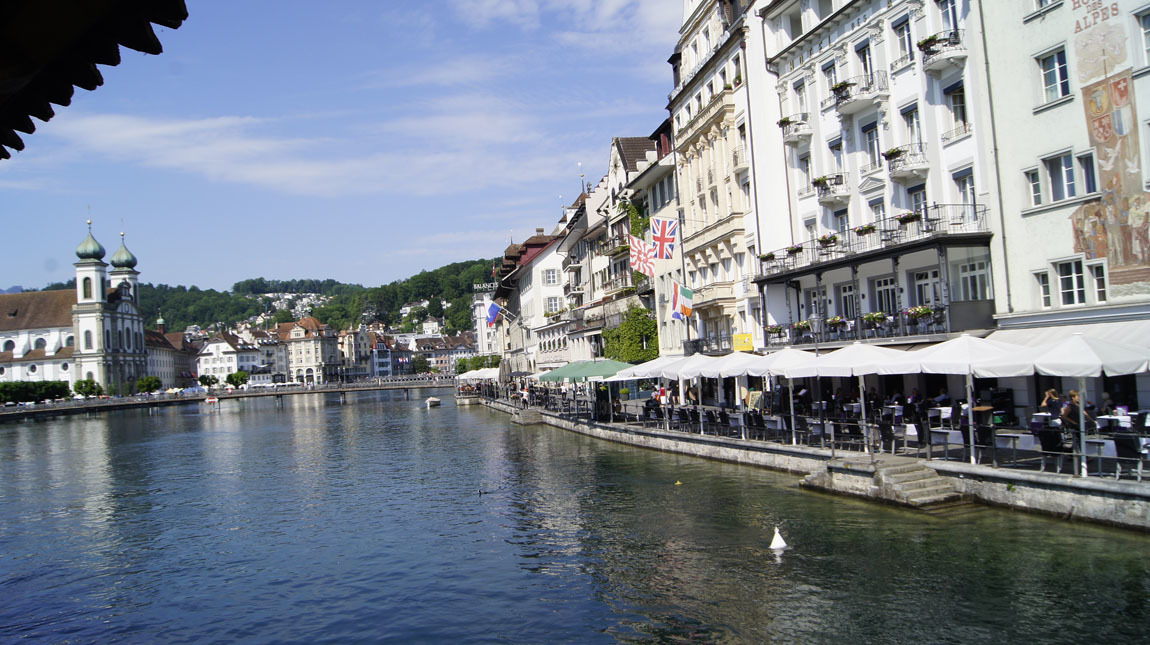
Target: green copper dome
x,y
90,249
123,258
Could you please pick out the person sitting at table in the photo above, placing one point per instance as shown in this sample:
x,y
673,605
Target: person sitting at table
x,y
942,399
897,398
1070,415
1107,406
1051,403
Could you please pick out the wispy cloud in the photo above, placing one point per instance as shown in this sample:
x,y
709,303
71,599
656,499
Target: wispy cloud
x,y
469,70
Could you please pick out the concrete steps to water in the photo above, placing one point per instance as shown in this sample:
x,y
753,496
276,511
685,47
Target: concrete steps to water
x,y
914,485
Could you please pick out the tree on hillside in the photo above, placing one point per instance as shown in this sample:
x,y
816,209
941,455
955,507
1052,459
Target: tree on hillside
x,y
635,340
435,307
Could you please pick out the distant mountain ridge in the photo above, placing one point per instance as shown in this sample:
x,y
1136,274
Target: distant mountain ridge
x,y
15,289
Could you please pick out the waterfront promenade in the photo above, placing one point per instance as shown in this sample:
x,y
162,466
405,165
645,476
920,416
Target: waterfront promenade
x,y
143,401
871,475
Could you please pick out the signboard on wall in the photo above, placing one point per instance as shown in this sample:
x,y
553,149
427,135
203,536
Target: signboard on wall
x,y
743,343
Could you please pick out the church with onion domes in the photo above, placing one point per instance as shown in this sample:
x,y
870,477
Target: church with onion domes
x,y
94,331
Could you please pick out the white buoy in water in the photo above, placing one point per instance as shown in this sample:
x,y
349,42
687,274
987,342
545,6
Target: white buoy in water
x,y
778,543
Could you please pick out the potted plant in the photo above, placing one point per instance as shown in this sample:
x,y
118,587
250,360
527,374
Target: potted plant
x,y
802,325
926,45
726,86
767,257
841,87
908,217
834,322
785,121
874,318
919,312
775,330
893,153
794,249
624,393
738,81
830,239
819,182
865,229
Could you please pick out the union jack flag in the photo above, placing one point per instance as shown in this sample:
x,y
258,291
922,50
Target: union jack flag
x,y
642,259
663,234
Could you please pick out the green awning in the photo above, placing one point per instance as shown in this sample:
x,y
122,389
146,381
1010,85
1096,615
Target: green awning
x,y
582,370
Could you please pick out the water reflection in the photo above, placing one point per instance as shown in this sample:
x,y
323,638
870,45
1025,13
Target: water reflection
x,y
378,519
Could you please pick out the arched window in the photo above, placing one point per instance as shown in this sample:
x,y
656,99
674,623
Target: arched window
x,y
139,341
107,339
32,369
87,288
70,341
120,338
64,367
126,339
87,339
9,345
89,377
41,343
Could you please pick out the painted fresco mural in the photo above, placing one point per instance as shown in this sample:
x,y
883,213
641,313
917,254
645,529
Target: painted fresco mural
x,y
1113,227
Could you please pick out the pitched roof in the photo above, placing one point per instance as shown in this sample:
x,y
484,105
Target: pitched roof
x,y
36,309
632,150
153,338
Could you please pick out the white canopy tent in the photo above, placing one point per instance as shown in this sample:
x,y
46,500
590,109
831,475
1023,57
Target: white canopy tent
x,y
1079,356
650,369
480,374
955,356
856,359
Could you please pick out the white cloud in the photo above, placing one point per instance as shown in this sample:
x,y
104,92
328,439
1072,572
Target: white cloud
x,y
474,69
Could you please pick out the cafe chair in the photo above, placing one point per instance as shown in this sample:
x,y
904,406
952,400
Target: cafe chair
x,y
1051,441
983,440
1128,447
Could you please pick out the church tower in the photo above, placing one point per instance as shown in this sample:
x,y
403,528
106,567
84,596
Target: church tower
x,y
88,313
124,275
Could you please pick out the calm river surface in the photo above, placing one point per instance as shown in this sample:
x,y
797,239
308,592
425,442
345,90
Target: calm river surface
x,y
364,522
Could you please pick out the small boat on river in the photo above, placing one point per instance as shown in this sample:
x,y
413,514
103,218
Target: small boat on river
x,y
433,402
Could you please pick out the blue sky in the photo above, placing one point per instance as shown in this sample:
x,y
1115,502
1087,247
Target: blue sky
x,y
356,140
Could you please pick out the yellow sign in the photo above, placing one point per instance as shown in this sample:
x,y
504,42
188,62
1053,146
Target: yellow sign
x,y
743,343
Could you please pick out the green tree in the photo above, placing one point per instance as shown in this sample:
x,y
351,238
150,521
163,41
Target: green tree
x,y
282,316
148,384
435,307
461,366
635,340
237,379
420,365
88,387
208,380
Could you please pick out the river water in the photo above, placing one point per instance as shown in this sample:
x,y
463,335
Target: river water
x,y
380,520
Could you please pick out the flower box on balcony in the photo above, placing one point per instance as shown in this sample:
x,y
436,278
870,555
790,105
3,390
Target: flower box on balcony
x,y
865,229
738,81
802,325
834,322
927,45
820,182
776,330
829,239
874,318
785,121
767,257
893,153
907,218
919,312
842,86
794,250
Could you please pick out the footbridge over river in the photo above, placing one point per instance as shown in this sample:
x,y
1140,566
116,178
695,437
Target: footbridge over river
x,y
86,406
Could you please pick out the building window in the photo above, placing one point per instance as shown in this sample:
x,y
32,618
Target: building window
x,y
804,170
948,10
917,198
865,63
551,276
1055,80
1144,23
64,367
1098,273
870,139
1042,279
1034,183
973,281
842,221
836,149
927,287
829,76
877,210
912,129
1060,170
31,369
848,302
903,37
1086,168
87,288
800,98
956,101
886,295
1071,282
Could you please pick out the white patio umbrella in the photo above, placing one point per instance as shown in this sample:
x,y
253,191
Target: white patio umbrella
x,y
955,356
856,359
651,368
687,368
736,364
775,365
1079,356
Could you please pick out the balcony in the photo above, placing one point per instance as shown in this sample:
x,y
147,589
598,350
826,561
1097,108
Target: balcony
x,y
571,287
943,51
739,159
571,263
907,162
721,106
929,322
833,189
699,185
710,345
878,239
712,294
615,245
861,92
724,229
958,132
617,284
796,128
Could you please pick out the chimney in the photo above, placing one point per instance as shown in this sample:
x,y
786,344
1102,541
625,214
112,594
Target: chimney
x,y
539,231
